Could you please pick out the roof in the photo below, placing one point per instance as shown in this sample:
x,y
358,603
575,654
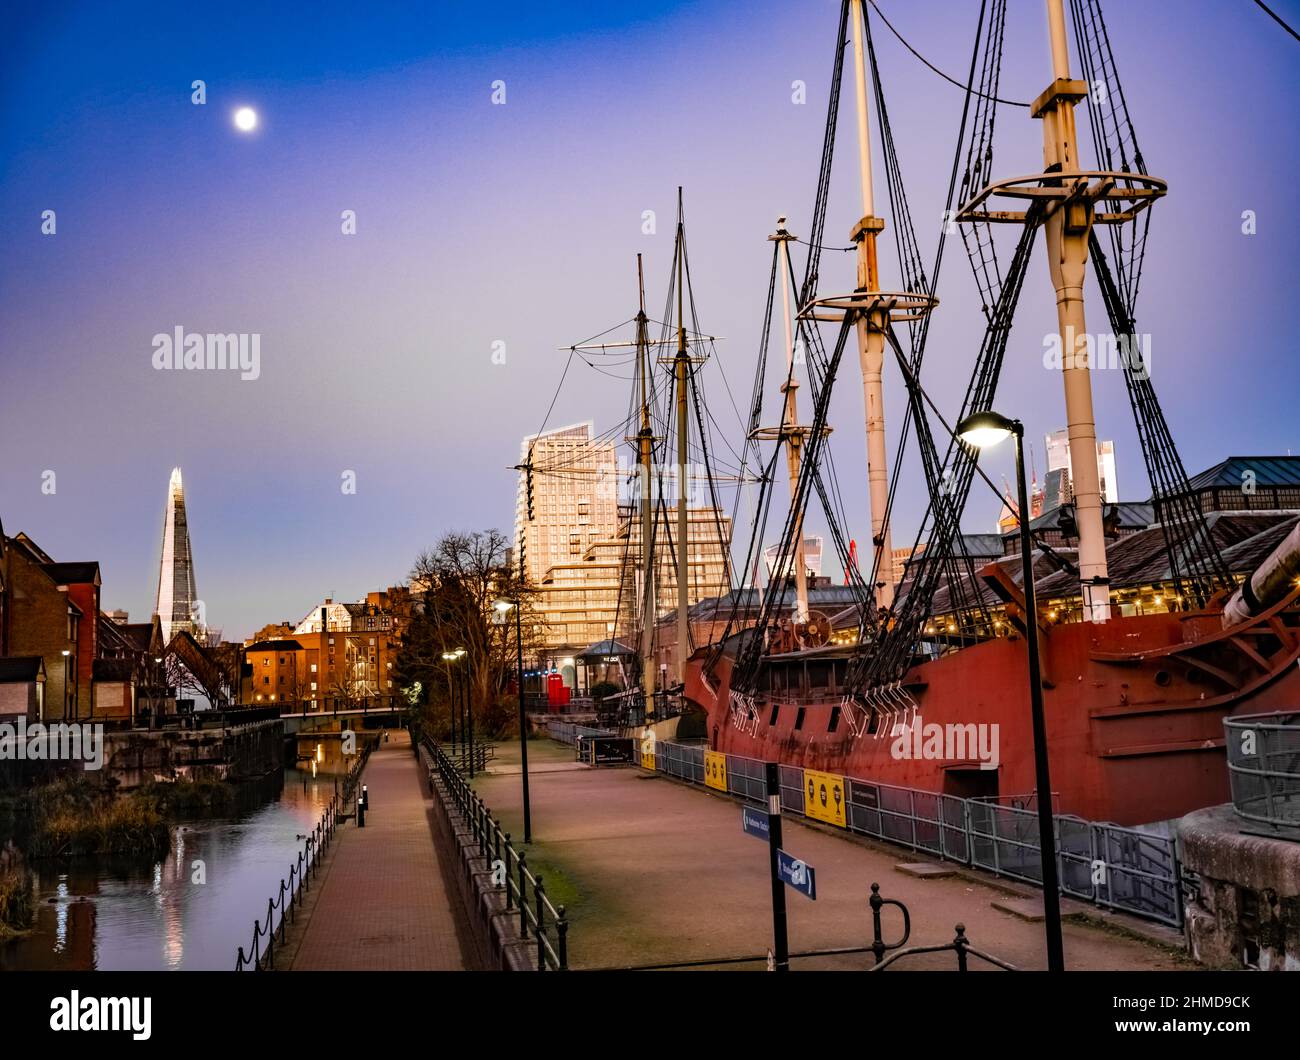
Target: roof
x,y
1268,471
825,597
982,544
113,669
73,573
275,645
1243,538
1133,515
15,668
606,647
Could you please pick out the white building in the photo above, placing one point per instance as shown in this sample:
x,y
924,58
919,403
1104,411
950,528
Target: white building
x,y
1058,458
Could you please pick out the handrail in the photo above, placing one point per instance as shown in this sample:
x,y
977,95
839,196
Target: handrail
x,y
288,899
525,892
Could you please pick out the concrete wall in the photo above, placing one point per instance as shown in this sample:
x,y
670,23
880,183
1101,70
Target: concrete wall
x,y
241,752
1246,912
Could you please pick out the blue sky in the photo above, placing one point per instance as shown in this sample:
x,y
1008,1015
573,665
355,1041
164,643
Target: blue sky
x,y
479,223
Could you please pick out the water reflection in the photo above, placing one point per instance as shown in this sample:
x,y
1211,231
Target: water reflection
x,y
190,910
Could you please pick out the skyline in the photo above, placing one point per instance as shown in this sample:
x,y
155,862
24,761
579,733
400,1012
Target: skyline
x,y
479,223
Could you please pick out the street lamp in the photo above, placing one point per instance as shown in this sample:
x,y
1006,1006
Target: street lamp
x,y
453,688
503,608
467,719
979,431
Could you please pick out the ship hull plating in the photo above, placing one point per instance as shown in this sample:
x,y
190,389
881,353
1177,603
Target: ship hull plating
x,y
1134,711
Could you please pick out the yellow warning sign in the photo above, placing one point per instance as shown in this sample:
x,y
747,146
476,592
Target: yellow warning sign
x,y
648,749
823,797
715,770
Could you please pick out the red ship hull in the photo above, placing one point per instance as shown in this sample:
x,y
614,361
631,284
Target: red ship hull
x,y
1134,710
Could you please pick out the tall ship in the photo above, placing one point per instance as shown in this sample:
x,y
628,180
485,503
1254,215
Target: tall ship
x,y
1153,626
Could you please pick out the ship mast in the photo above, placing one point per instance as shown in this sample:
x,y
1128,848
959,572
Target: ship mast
x,y
645,447
791,433
1067,231
681,370
871,332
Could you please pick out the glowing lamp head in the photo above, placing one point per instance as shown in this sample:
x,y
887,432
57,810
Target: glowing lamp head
x,y
983,429
503,606
245,119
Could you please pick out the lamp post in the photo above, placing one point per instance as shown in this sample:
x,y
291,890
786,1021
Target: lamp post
x,y
980,431
453,691
503,608
468,700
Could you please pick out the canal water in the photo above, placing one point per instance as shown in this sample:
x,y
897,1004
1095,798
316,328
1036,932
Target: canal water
x,y
192,910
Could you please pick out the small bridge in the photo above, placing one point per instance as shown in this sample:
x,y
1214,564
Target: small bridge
x,y
385,709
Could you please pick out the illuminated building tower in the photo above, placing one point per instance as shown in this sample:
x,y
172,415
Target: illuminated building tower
x,y
177,601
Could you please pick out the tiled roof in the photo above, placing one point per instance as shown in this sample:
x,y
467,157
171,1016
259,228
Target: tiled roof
x,y
275,645
1269,471
72,573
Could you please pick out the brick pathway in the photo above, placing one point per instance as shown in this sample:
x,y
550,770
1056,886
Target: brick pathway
x,y
382,902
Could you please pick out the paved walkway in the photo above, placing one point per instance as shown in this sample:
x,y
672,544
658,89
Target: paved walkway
x,y
382,903
652,870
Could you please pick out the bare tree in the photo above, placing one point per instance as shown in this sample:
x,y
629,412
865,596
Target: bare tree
x,y
459,581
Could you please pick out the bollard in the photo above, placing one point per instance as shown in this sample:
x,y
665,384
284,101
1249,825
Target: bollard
x,y
361,809
365,794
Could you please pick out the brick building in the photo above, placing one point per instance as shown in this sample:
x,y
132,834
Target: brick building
x,y
347,658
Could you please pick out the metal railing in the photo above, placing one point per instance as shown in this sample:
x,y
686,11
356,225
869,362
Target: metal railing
x,y
289,897
1264,768
525,893
1119,868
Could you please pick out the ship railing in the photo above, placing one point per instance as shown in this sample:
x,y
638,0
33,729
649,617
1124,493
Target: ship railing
x,y
1126,869
1264,770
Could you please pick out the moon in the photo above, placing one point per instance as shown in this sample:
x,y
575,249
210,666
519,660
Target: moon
x,y
246,119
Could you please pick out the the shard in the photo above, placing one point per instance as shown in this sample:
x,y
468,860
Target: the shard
x,y
177,603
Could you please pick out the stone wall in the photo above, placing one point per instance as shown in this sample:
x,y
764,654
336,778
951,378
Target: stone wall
x,y
1246,912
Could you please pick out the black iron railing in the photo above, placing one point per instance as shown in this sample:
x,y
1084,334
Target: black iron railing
x,y
538,921
288,898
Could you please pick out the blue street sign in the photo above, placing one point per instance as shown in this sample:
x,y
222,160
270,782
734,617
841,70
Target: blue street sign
x,y
755,823
794,873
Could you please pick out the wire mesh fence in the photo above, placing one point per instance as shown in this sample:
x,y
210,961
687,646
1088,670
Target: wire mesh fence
x,y
1119,868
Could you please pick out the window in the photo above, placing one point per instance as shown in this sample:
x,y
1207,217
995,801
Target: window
x,y
266,680
776,710
835,718
313,667
798,720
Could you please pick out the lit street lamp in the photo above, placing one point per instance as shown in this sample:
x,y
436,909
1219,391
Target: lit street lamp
x,y
503,608
468,718
979,431
453,688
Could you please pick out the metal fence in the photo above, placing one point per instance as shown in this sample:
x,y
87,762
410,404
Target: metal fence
x,y
536,919
1115,867
1264,768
